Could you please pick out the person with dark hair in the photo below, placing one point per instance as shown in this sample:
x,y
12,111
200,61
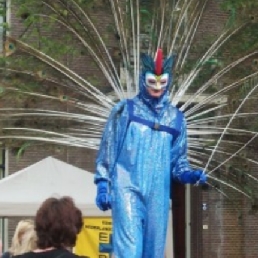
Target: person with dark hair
x,y
57,223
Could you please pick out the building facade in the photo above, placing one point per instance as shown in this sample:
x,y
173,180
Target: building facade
x,y
206,223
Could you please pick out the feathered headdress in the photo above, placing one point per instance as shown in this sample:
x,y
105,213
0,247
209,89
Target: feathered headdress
x,y
157,65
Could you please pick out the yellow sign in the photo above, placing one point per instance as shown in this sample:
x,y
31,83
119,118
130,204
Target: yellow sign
x,y
94,241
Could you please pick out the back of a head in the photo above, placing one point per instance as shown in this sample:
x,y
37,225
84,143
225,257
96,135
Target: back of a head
x,y
24,238
57,223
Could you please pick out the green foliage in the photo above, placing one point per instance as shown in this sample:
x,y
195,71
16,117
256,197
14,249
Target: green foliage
x,y
237,5
22,149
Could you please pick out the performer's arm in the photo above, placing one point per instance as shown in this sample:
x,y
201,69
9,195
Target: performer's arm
x,y
103,156
109,145
181,169
107,155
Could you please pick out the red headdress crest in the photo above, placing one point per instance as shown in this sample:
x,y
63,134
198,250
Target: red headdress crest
x,y
158,61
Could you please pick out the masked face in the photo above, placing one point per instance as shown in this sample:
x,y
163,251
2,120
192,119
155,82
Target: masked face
x,y
156,84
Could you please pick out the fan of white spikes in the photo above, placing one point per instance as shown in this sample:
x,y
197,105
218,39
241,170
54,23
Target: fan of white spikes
x,y
174,26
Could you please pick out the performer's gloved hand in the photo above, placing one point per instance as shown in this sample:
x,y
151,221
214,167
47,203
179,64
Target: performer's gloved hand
x,y
200,176
103,200
193,177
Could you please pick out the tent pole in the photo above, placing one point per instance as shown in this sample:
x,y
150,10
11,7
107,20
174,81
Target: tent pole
x,y
188,220
4,221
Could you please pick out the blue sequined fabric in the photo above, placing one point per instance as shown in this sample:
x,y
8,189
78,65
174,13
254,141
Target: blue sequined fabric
x,y
139,163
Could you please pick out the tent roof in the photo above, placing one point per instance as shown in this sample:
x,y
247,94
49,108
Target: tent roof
x,y
23,192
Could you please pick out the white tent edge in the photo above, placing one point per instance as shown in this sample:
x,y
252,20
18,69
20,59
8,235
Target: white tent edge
x,y
87,211
83,192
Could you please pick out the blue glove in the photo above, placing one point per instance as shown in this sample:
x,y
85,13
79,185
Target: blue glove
x,y
193,177
103,200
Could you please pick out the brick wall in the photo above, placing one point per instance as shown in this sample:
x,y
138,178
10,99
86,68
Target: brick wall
x,y
217,232
78,157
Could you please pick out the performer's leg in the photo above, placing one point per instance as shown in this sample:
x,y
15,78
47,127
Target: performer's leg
x,y
154,238
128,214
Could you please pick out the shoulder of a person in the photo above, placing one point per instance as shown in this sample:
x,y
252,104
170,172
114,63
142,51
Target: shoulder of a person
x,y
25,255
120,104
6,255
118,107
57,253
175,109
69,255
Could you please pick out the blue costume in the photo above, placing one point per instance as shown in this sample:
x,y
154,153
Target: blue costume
x,y
144,146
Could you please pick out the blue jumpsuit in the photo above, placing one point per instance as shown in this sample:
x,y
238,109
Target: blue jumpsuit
x,y
139,160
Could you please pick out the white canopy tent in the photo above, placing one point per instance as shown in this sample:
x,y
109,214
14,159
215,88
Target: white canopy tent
x,y
23,192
